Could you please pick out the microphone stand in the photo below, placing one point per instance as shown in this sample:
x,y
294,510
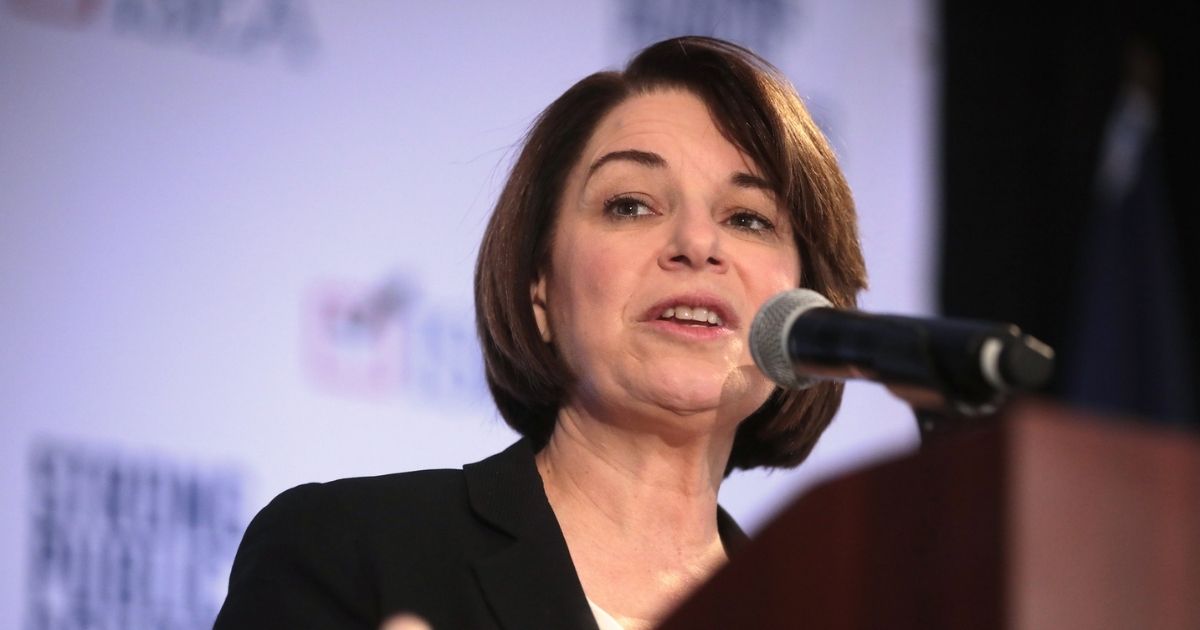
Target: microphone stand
x,y
935,425
939,416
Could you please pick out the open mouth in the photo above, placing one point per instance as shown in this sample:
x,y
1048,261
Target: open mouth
x,y
691,316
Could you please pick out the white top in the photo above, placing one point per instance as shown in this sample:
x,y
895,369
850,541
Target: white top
x,y
603,619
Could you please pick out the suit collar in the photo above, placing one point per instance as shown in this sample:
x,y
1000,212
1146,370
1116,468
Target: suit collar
x,y
532,582
732,536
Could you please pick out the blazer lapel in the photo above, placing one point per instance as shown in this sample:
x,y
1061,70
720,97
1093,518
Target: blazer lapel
x,y
732,536
530,583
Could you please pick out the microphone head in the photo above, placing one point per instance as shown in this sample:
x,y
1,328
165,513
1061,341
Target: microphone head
x,y
769,335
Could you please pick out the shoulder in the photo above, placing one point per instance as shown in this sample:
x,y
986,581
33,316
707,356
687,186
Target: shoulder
x,y
313,554
367,513
398,493
511,471
340,553
387,506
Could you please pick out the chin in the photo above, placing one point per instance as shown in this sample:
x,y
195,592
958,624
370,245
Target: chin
x,y
746,389
731,396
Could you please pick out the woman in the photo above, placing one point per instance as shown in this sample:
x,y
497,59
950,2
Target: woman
x,y
649,215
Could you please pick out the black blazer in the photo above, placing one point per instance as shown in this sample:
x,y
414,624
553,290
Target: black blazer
x,y
476,548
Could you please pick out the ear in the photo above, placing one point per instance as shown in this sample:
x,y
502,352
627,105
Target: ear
x,y
537,295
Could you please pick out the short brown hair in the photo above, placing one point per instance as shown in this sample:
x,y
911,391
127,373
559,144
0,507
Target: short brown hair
x,y
759,112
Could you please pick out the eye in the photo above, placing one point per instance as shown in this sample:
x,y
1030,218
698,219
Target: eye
x,y
627,208
749,221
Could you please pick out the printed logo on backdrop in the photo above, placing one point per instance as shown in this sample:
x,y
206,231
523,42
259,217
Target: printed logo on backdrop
x,y
387,340
64,13
244,29
756,24
128,542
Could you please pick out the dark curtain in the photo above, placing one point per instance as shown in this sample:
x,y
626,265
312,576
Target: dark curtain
x,y
1069,181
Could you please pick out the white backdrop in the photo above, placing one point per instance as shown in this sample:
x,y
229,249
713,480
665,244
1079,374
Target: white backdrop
x,y
237,240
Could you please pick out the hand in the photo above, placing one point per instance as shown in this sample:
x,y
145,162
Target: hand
x,y
405,621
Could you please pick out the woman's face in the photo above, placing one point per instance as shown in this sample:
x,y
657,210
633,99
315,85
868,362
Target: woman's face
x,y
666,242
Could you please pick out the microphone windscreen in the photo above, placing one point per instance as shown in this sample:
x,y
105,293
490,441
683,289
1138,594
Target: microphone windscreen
x,y
769,335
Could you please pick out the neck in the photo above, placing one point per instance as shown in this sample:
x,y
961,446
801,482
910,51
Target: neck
x,y
635,480
631,485
637,509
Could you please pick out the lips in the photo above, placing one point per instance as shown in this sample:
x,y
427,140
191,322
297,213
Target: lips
x,y
694,309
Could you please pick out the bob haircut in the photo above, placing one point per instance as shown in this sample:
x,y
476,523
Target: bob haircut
x,y
759,112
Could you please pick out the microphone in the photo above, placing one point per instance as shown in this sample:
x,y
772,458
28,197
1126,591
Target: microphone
x,y
798,339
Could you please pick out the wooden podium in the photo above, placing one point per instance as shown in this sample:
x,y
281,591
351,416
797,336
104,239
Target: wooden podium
x,y
1046,519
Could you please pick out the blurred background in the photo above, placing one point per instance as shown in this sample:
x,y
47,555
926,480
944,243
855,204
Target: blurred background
x,y
237,241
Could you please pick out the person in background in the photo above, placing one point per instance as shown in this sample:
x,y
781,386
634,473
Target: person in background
x,y
649,215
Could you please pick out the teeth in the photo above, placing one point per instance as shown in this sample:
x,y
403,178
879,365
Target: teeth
x,y
689,313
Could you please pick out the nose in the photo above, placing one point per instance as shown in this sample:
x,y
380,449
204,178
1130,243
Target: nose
x,y
695,242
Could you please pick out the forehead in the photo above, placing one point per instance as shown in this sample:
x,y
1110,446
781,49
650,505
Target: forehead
x,y
674,123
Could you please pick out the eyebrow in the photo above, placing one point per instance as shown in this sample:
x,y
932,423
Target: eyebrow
x,y
746,180
654,160
645,158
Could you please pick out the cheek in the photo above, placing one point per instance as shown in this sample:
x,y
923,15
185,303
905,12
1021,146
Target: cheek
x,y
773,274
578,282
586,298
598,272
